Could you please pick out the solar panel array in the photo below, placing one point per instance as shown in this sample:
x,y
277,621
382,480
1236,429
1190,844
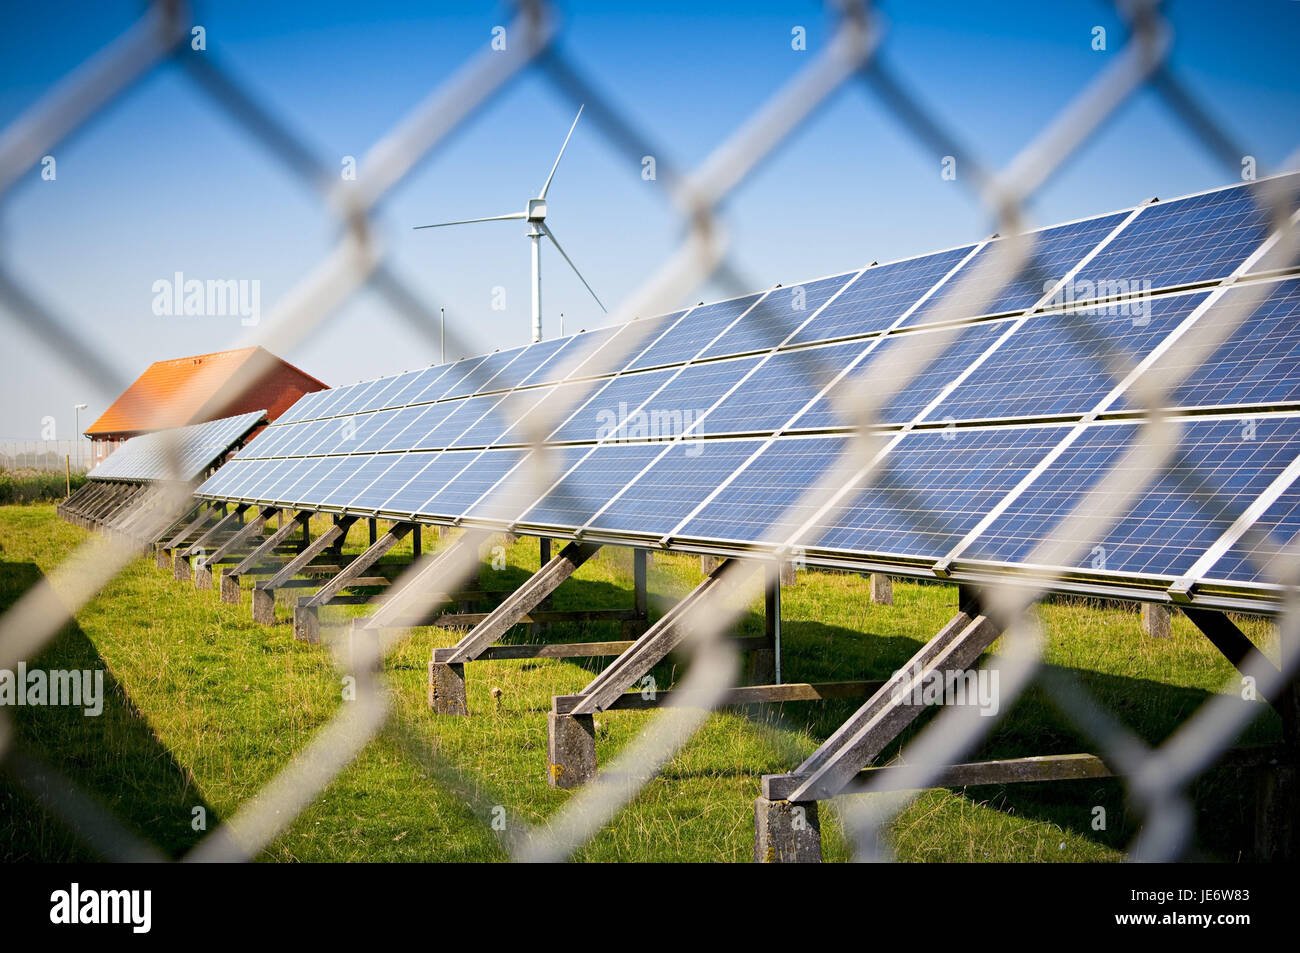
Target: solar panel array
x,y
727,413
181,453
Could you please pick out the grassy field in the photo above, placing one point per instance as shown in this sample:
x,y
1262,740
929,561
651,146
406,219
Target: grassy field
x,y
35,486
205,707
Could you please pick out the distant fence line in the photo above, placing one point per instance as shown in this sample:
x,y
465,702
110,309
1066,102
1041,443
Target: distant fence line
x,y
45,455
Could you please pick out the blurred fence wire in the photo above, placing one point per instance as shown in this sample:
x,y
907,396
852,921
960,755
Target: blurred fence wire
x,y
1157,778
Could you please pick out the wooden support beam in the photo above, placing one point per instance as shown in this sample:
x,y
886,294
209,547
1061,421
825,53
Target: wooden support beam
x,y
306,615
741,695
417,588
660,639
264,590
831,767
246,533
258,555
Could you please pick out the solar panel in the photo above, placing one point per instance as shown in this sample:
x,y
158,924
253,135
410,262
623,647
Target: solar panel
x,y
1196,239
1222,465
1256,365
777,316
880,296
888,367
693,333
789,380
702,428
180,454
1055,251
1063,363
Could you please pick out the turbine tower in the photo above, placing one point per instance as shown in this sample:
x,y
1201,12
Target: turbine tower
x,y
534,214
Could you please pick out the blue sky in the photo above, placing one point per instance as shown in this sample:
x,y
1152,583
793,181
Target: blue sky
x,y
164,181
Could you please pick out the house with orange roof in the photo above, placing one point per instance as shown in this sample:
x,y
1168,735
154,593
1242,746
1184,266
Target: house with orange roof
x,y
192,390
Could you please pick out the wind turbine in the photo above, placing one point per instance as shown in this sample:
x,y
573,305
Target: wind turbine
x,y
535,215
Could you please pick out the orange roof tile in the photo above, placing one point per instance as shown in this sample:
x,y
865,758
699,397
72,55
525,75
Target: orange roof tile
x,y
178,392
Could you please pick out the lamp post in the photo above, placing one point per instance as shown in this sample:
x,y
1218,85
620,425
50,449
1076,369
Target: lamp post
x,y
76,427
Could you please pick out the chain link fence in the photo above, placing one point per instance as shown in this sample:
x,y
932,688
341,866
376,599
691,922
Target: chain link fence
x,y
1156,778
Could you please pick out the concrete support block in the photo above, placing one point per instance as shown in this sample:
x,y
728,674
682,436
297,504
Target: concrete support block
x,y
447,688
786,833
162,558
229,588
882,589
202,577
570,750
180,567
1155,621
264,606
306,624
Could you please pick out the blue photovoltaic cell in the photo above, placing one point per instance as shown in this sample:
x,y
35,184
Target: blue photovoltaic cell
x,y
589,355
770,397
531,359
254,485
294,490
324,486
405,466
371,468
353,431
1266,555
304,434
525,483
416,434
302,407
693,333
1202,238
385,429
587,487
468,411
880,296
361,398
759,503
447,382
476,383
1063,363
493,425
1258,364
932,488
417,385
333,399
397,384
541,418
180,453
475,480
263,445
440,469
677,483
686,398
607,407
776,317
1055,252
275,484
888,369
1223,465
234,473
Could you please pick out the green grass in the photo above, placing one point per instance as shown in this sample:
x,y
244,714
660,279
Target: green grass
x,y
35,486
205,707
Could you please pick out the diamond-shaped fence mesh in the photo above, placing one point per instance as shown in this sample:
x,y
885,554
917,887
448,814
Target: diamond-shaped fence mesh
x,y
1156,778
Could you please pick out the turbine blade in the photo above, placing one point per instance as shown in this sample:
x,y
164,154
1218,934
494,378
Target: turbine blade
x,y
555,242
471,221
542,194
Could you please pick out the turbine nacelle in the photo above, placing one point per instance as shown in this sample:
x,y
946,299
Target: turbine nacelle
x,y
535,215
